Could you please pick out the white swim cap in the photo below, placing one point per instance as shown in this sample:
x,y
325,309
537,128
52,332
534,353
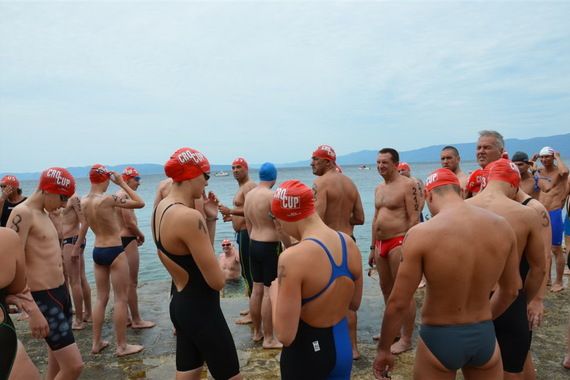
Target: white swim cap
x,y
546,151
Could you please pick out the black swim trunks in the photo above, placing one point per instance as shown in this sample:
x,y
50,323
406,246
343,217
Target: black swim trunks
x,y
8,340
71,240
55,305
244,258
263,260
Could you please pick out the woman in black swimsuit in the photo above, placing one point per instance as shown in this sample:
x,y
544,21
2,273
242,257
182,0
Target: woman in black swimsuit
x,y
181,236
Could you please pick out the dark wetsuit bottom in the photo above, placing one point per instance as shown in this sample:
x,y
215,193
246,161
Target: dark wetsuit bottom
x,y
202,335
263,260
106,255
8,344
513,335
55,305
318,353
458,346
71,240
244,258
126,240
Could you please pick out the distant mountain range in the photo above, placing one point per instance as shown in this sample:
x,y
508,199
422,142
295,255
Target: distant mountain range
x,y
428,154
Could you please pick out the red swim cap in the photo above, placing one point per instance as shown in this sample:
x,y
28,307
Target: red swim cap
x,y
10,180
504,170
57,181
404,166
326,152
99,174
441,177
129,173
240,162
185,164
292,201
477,181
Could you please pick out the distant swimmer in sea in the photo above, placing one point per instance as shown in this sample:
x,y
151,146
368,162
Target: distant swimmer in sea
x,y
13,356
319,280
457,330
264,250
240,170
50,314
339,205
552,182
512,327
10,197
396,210
185,250
450,159
131,238
111,266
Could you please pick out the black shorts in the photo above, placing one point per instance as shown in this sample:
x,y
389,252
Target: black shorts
x,y
263,260
126,240
513,335
202,335
55,305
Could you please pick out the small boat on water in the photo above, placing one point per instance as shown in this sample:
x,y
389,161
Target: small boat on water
x,y
363,167
221,173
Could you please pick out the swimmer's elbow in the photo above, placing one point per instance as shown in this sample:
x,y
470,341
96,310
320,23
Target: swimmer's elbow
x,y
140,204
285,338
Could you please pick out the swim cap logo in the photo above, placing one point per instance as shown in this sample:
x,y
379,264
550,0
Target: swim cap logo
x,y
287,201
431,179
187,156
60,180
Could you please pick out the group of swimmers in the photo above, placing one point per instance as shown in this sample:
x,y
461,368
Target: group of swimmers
x,y
484,287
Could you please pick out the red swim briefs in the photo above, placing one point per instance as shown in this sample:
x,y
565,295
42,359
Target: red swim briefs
x,y
385,246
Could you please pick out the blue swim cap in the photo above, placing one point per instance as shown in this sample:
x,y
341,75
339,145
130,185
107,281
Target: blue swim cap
x,y
267,172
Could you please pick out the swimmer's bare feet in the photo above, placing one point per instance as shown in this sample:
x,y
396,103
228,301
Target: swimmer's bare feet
x,y
77,325
400,347
87,318
271,344
142,324
245,320
129,322
244,312
98,347
129,349
376,337
355,353
556,287
566,271
257,336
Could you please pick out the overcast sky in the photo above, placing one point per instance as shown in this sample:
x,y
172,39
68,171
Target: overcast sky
x,y
130,82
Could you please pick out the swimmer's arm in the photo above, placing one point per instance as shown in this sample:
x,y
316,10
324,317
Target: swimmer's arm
x,y
407,281
192,230
562,168
83,226
535,309
12,247
320,194
412,203
536,260
357,216
287,310
371,259
20,220
132,201
510,280
357,273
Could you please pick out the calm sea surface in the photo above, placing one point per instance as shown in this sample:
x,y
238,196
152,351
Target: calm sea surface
x,y
225,187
